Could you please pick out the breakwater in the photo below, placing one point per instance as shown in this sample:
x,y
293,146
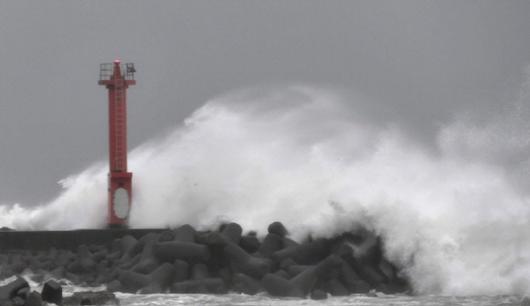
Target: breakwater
x,y
67,240
184,260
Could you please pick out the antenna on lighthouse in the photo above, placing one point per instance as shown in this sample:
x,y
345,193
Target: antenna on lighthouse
x,y
117,77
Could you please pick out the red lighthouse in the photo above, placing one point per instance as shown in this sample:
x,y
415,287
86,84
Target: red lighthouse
x,y
117,77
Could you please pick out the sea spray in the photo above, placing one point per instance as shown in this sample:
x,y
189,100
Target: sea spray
x,y
81,204
456,224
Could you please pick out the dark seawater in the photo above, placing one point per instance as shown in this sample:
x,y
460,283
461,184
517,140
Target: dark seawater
x,y
169,299
357,300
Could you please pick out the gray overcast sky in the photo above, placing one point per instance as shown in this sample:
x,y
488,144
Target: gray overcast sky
x,y
419,62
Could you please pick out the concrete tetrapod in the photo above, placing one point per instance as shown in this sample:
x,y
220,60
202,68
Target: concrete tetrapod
x,y
148,262
305,254
206,285
52,292
157,281
184,233
245,263
302,284
9,291
84,262
189,251
243,283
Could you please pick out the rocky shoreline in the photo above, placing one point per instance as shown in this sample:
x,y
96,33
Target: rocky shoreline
x,y
184,260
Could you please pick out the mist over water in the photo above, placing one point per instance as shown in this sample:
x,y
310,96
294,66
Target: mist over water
x,y
455,217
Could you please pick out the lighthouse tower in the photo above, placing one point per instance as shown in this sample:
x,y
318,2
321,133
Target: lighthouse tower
x,y
117,77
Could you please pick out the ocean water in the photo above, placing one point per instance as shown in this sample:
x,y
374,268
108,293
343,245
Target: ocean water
x,y
453,212
375,298
354,300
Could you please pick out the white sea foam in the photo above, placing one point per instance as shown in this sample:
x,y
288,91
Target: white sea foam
x,y
455,217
